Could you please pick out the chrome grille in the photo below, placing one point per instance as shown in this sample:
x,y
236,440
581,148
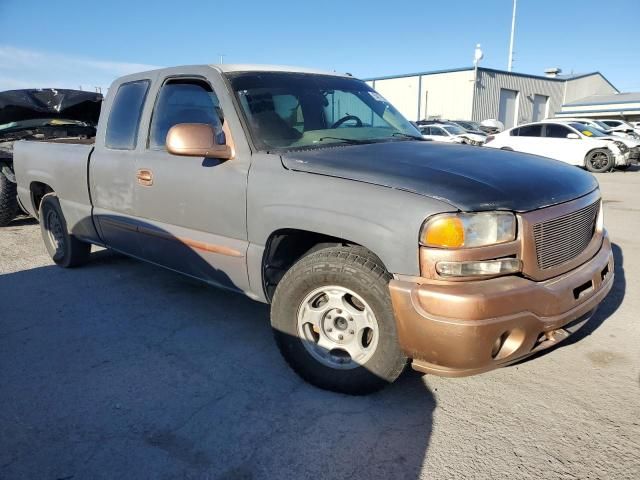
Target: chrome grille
x,y
564,238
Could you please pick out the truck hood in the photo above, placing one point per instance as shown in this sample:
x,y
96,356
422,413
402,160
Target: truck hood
x,y
32,104
469,178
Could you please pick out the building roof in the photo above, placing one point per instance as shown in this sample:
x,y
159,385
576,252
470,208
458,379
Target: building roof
x,y
609,99
557,78
485,69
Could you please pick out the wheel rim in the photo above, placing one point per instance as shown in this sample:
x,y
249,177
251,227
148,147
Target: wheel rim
x,y
337,327
53,225
598,160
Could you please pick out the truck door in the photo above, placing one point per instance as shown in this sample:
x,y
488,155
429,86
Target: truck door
x,y
192,211
112,172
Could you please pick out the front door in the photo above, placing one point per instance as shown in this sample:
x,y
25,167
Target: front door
x,y
192,210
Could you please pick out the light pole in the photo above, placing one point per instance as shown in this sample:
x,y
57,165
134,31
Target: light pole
x,y
513,31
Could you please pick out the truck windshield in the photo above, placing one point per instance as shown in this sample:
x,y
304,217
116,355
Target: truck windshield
x,y
287,110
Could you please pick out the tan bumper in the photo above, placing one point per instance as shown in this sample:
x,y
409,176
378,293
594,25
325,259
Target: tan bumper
x,y
464,328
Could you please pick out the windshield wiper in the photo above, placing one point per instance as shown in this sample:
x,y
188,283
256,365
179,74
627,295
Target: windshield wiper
x,y
406,135
350,141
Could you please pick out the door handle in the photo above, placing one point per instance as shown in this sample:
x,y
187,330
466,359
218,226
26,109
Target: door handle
x,y
145,177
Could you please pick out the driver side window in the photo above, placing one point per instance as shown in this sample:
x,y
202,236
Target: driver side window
x,y
184,101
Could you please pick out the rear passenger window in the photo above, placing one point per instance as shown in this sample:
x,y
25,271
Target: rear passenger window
x,y
530,131
184,101
124,119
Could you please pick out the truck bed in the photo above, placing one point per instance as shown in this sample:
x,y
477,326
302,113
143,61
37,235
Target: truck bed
x,y
62,165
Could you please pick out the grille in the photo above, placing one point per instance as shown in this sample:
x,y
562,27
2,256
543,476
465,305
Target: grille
x,y
564,238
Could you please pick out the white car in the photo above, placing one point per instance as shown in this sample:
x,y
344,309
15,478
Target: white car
x,y
571,142
445,132
600,125
630,140
620,126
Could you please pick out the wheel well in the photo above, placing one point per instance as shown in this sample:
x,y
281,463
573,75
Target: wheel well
x,y
285,247
38,190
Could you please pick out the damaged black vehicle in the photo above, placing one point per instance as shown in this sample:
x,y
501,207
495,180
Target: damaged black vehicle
x,y
40,114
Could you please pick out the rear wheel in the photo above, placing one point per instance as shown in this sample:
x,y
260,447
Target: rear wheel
x,y
65,249
333,321
8,200
599,160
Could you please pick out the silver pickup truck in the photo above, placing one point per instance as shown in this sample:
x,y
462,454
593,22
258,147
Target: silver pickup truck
x,y
309,191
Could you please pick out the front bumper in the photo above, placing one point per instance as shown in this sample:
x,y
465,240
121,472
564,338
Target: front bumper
x,y
465,328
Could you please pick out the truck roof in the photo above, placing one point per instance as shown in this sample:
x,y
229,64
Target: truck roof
x,y
229,68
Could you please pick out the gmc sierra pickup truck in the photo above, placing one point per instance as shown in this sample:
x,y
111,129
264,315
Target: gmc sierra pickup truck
x,y
309,191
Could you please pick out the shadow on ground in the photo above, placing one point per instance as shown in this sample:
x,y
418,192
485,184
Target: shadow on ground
x,y
123,370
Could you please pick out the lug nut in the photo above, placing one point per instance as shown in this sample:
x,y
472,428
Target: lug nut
x,y
351,332
329,329
340,337
338,311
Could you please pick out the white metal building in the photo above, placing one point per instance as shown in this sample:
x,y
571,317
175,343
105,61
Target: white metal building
x,y
470,94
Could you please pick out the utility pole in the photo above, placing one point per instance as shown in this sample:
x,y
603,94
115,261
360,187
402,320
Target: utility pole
x,y
221,58
513,31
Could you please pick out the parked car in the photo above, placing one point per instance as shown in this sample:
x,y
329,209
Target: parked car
x,y
572,143
630,140
40,114
600,125
450,133
470,127
620,126
371,245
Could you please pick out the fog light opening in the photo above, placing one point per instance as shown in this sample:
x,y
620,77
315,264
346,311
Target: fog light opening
x,y
506,344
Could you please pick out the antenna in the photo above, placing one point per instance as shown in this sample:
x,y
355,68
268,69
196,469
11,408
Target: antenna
x,y
222,55
513,31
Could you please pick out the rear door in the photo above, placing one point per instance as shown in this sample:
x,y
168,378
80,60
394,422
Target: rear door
x,y
192,211
112,172
527,139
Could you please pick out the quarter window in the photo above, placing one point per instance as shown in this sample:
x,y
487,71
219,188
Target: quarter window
x,y
184,101
124,119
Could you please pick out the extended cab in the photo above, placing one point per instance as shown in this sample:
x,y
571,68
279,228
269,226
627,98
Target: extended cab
x,y
308,191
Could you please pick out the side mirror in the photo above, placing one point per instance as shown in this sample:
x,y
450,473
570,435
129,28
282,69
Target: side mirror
x,y
573,136
196,140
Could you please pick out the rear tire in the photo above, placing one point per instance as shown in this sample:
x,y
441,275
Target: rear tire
x,y
599,160
65,249
334,324
8,200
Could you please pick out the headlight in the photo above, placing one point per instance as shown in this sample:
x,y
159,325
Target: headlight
x,y
467,230
621,146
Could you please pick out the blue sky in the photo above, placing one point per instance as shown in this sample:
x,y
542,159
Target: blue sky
x,y
74,44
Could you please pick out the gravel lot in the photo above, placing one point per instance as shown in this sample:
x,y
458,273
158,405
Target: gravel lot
x,y
123,370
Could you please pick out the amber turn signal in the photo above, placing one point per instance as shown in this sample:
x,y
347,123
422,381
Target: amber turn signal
x,y
445,233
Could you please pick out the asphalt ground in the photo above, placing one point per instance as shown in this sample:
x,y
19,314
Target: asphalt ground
x,y
120,369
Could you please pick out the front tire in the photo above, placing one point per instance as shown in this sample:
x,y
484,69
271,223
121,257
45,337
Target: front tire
x,y
65,249
8,200
599,160
333,321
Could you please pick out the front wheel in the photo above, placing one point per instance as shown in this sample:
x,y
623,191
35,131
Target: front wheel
x,y
599,160
65,249
333,321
